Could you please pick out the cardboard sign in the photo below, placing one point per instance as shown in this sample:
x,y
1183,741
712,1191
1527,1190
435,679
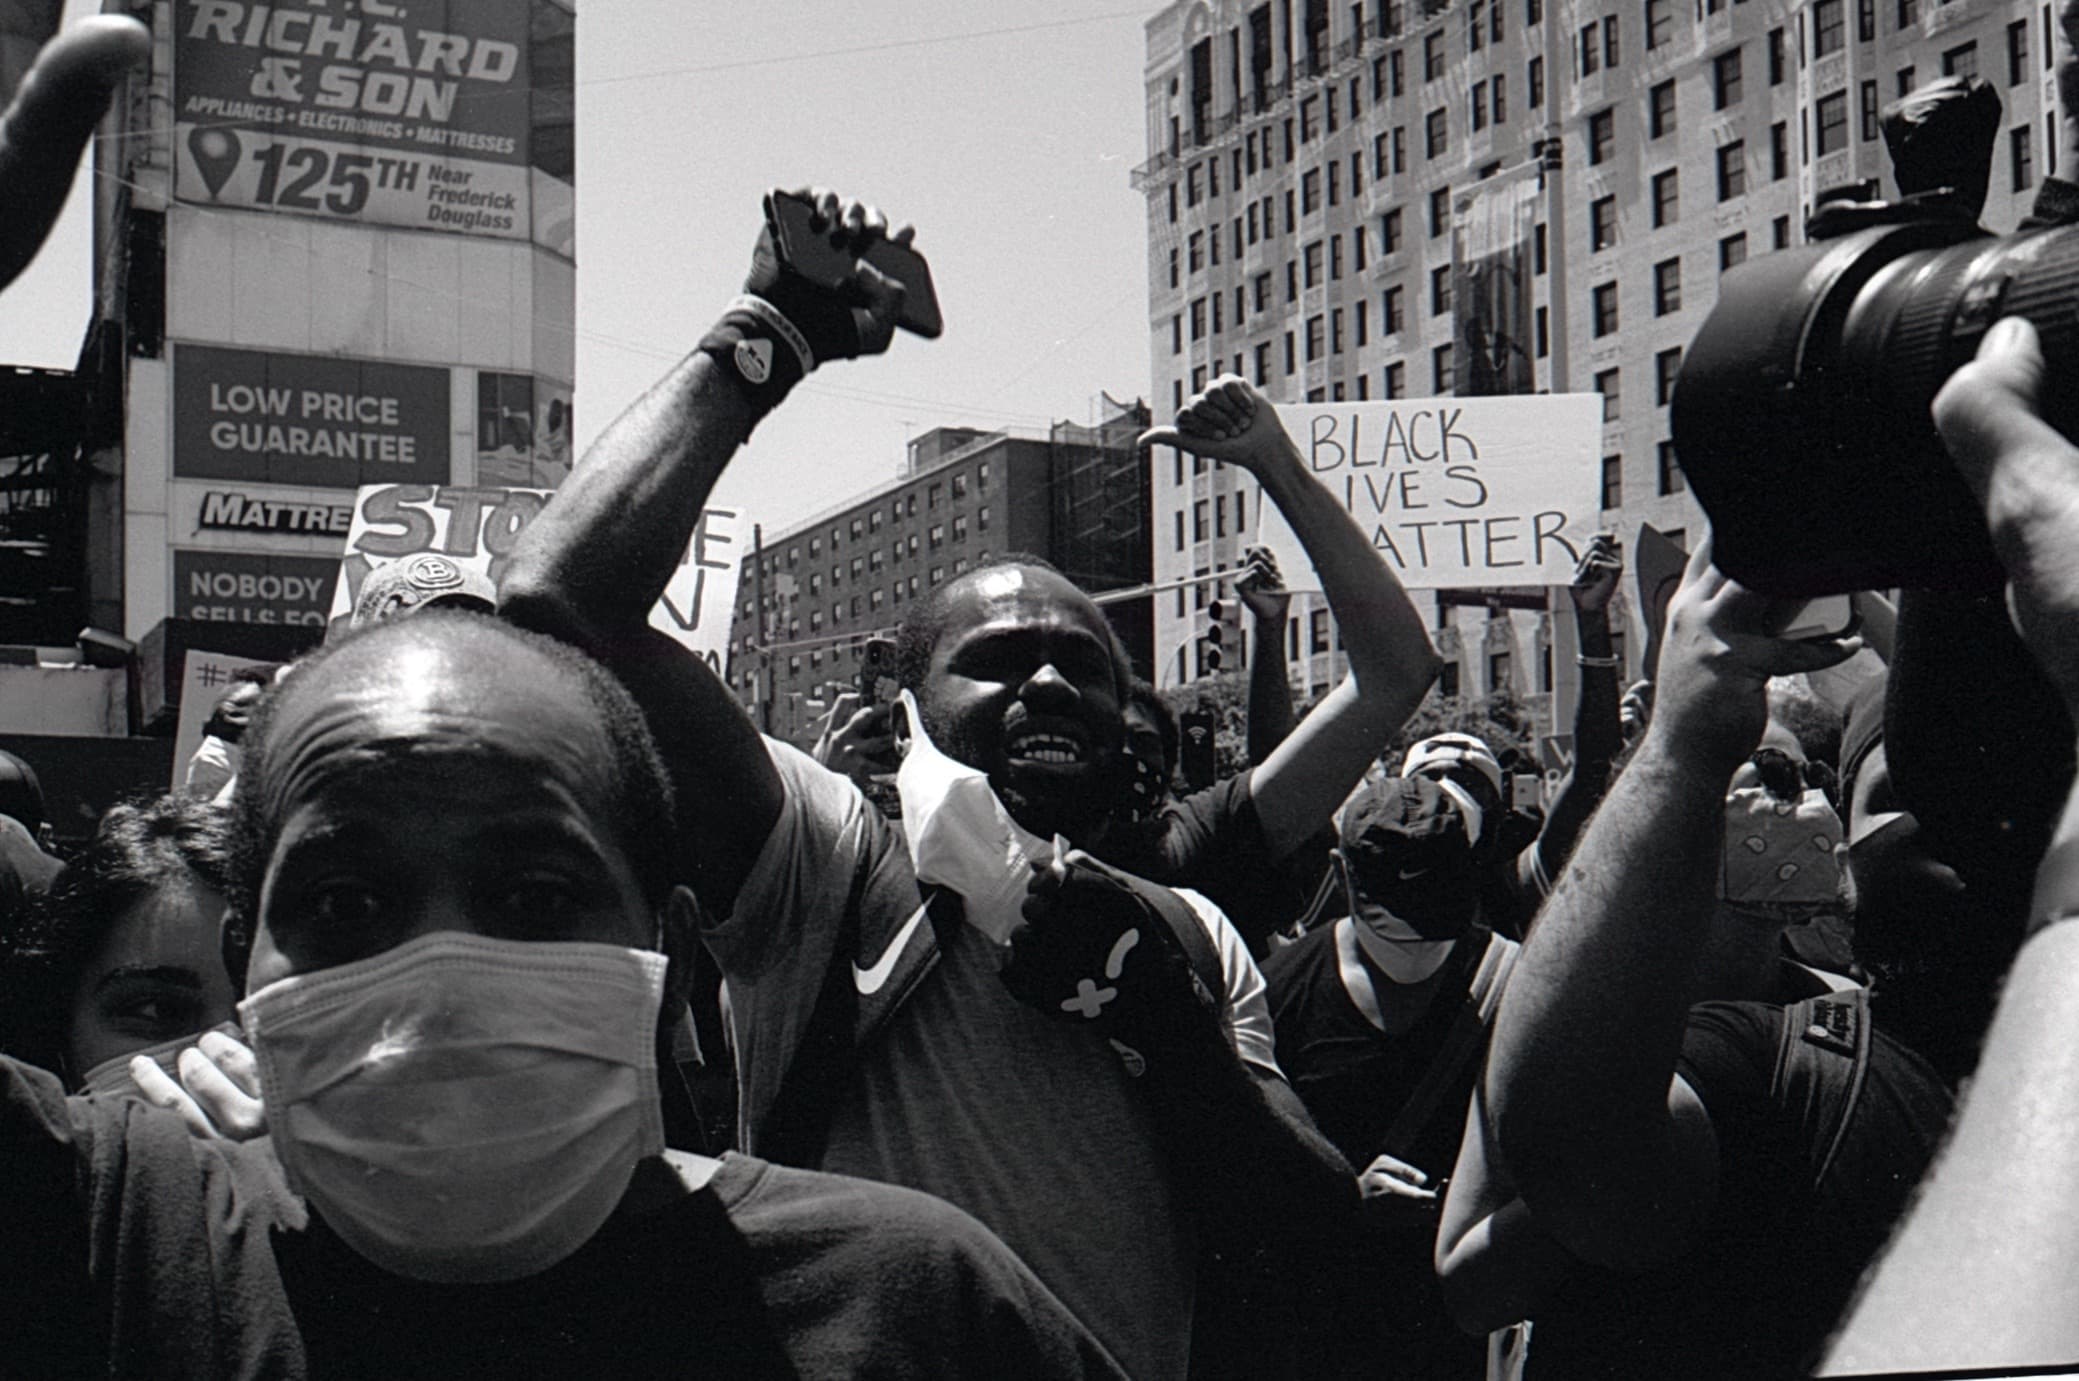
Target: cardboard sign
x,y
1453,492
311,420
205,679
477,527
389,114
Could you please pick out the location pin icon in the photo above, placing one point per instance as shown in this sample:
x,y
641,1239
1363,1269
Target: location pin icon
x,y
216,153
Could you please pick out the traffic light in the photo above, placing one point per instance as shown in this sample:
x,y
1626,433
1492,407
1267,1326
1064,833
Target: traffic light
x,y
1223,632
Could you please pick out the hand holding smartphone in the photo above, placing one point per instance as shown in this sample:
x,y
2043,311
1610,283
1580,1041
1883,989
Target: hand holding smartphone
x,y
810,253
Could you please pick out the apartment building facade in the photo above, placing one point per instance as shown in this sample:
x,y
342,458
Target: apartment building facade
x,y
1307,159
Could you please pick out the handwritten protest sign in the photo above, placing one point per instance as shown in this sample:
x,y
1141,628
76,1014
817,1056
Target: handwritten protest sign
x,y
1453,492
476,527
206,678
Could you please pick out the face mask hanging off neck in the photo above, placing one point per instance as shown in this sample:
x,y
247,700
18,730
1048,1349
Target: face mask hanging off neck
x,y
961,836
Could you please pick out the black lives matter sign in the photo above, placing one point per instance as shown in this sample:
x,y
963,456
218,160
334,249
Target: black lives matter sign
x,y
313,421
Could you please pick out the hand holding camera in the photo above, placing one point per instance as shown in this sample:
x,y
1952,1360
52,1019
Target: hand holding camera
x,y
2026,474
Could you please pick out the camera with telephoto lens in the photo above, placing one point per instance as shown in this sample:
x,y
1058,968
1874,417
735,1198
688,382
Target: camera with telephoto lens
x,y
1801,413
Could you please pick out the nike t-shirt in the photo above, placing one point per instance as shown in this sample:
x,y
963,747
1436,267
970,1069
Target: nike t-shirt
x,y
1029,1124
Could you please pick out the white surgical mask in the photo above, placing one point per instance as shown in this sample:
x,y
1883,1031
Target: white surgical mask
x,y
111,1078
961,836
459,1108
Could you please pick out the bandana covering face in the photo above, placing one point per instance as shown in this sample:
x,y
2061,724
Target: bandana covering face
x,y
1779,852
961,836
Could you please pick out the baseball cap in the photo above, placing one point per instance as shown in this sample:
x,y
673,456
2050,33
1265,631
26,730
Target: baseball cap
x,y
1440,751
419,581
1405,836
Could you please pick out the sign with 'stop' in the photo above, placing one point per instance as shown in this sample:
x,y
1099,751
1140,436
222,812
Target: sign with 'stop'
x,y
477,526
1453,492
307,420
378,111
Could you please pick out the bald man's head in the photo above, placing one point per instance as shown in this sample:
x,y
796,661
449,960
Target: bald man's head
x,y
447,683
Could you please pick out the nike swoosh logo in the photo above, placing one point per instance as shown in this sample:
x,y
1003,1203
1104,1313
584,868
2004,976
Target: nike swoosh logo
x,y
871,981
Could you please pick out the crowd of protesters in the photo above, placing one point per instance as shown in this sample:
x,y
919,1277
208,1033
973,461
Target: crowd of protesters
x,y
391,1044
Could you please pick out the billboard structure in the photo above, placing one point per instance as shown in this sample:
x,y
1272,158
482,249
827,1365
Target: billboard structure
x,y
413,117
347,262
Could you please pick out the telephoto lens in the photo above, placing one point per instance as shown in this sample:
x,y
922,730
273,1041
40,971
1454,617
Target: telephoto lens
x,y
1801,415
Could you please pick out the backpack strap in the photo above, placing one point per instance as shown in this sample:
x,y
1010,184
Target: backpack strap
x,y
1463,1044
1185,922
1822,1057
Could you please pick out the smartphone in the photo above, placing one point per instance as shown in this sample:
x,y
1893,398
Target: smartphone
x,y
1829,616
809,253
877,683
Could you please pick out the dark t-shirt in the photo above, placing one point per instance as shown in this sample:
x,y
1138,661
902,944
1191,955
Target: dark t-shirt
x,y
1773,1268
1389,1317
1212,842
134,1251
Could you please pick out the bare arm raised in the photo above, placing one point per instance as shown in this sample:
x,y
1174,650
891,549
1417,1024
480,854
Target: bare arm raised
x,y
1391,661
591,566
1610,1149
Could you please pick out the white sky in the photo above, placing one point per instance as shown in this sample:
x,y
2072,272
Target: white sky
x,y
1005,133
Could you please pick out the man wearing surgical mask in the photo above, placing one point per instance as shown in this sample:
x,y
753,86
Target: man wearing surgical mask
x,y
459,937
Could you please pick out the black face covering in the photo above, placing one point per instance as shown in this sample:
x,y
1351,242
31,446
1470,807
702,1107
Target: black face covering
x,y
1144,790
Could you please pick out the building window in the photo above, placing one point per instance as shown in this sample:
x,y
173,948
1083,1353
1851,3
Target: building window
x,y
1439,211
1389,232
1534,75
1440,290
1961,61
1610,41
981,520
1608,384
1660,22
937,535
2017,52
1479,105
1312,255
1440,369
959,527
1591,55
1602,223
1869,110
1602,136
1394,384
2020,161
1667,287
1833,123
1905,80
1779,151
1435,133
1315,336
1433,55
1671,481
1732,170
1827,25
1865,21
1667,366
1779,233
1779,57
1667,198
1660,111
1732,250
1395,310
1909,13
1613,482
1725,80
1501,97
1604,299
